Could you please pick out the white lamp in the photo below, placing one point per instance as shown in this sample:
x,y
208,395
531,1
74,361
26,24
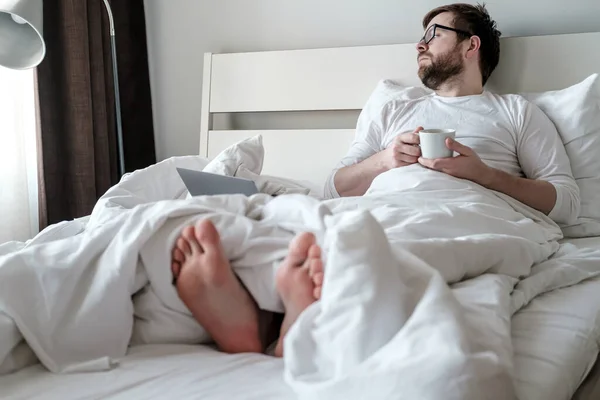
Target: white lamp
x,y
21,42
22,47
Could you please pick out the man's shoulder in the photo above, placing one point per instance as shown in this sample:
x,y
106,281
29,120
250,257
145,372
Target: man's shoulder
x,y
514,105
512,99
524,113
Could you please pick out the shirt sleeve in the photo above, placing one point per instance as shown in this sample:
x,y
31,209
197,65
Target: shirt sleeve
x,y
367,142
542,156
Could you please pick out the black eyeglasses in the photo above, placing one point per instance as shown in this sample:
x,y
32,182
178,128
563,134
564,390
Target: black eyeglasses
x,y
430,32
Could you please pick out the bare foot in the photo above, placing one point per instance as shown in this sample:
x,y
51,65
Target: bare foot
x,y
209,288
299,281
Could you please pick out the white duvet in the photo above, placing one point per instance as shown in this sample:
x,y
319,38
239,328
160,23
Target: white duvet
x,y
423,274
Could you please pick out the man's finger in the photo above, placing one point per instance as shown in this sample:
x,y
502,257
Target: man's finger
x,y
437,164
405,158
458,147
410,150
409,138
426,162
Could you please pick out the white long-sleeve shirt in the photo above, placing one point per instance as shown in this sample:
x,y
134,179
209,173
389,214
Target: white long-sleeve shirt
x,y
506,131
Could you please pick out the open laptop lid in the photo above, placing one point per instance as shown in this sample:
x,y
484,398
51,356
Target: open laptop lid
x,y
201,183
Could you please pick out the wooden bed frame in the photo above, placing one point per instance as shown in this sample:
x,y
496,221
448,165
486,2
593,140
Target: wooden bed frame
x,y
341,79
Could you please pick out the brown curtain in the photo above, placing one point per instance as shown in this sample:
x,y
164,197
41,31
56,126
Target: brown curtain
x,y
77,143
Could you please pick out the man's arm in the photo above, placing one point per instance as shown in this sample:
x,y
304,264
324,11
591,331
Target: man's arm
x,y
543,157
355,180
366,157
549,188
359,152
537,194
366,144
549,185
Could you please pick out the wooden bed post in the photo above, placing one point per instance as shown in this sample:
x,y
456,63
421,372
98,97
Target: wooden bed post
x,y
206,116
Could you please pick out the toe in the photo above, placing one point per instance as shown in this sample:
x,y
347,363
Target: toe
x,y
314,251
207,234
189,234
210,240
175,269
317,292
299,247
318,278
184,246
178,255
316,266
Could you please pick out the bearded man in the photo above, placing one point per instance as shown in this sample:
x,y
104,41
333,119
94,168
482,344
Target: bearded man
x,y
503,142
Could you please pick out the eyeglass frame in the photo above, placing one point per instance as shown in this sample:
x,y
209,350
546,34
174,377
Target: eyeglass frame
x,y
435,26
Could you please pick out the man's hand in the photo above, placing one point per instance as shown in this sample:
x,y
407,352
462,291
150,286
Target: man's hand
x,y
467,165
404,150
354,180
538,194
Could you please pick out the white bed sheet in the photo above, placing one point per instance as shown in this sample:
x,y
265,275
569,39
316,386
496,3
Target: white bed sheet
x,y
589,242
158,372
555,338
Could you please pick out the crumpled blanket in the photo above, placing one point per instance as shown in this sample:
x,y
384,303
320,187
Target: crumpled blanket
x,y
388,325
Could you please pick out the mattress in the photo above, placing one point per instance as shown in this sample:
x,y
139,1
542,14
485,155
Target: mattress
x,y
555,339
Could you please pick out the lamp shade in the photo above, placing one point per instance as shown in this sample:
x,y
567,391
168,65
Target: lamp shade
x,y
21,42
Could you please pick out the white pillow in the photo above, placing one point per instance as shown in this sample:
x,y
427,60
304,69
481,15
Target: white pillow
x,y
244,159
248,152
575,111
271,185
388,90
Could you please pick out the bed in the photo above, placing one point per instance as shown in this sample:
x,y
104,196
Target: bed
x,y
556,336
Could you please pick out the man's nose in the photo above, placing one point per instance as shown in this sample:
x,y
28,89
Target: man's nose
x,y
422,46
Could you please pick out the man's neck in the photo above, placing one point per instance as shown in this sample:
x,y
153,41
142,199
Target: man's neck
x,y
459,87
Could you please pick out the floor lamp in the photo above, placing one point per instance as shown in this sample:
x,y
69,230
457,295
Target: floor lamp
x,y
22,47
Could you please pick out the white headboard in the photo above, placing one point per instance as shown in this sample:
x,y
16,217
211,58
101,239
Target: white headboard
x,y
343,78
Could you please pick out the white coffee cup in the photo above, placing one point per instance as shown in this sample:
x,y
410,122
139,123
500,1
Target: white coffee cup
x,y
433,143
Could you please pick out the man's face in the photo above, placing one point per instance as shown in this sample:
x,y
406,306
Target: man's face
x,y
441,59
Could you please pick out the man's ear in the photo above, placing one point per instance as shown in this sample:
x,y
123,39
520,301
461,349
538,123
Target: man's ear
x,y
474,46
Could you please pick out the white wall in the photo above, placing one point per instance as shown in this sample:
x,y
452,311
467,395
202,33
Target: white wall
x,y
180,31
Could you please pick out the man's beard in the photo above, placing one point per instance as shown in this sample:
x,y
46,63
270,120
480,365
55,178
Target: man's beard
x,y
441,69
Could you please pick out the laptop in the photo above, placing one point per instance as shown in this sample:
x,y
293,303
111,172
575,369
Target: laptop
x,y
201,183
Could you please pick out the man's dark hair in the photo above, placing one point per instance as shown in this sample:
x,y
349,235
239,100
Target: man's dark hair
x,y
477,21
